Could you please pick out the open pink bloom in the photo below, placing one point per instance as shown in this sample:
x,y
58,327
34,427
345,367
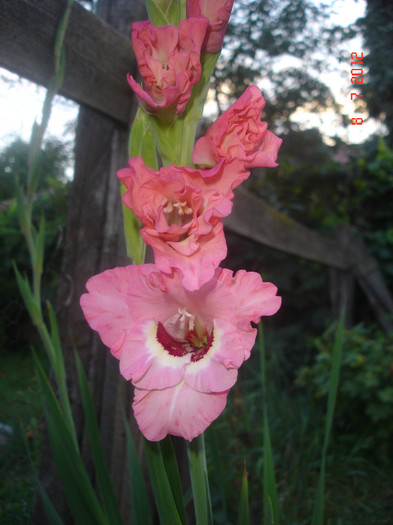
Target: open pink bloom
x,y
181,209
218,13
239,133
169,63
180,349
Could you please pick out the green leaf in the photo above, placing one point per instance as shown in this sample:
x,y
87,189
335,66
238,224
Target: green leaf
x,y
172,471
164,137
105,485
163,12
135,245
38,262
54,330
199,481
269,518
22,208
270,496
243,517
30,302
51,512
77,487
141,142
219,470
140,505
318,513
165,502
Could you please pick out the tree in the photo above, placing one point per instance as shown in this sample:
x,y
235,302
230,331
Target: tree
x,y
275,45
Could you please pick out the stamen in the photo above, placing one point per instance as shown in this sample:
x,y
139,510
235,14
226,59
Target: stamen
x,y
176,212
169,207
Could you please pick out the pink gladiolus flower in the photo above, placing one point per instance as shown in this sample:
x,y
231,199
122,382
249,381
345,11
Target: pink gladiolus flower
x,y
180,210
218,13
169,63
181,350
239,133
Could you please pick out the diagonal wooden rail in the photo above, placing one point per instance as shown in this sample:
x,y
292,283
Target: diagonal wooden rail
x,y
98,59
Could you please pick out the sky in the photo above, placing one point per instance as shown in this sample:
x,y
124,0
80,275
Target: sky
x,y
21,101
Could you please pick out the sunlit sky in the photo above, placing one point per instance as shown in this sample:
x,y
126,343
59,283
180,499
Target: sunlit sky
x,y
21,101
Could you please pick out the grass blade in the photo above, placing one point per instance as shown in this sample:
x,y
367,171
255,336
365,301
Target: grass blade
x,y
140,504
317,518
104,482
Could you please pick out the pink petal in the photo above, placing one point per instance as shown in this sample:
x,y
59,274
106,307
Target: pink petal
x,y
197,268
146,363
105,306
254,298
180,411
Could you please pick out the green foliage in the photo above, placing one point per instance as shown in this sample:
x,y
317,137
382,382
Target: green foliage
x,y
365,406
357,489
52,200
20,409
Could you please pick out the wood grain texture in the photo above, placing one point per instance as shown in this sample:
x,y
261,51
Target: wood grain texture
x,y
253,218
98,57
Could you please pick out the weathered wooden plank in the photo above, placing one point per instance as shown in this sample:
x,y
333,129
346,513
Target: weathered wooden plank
x,y
255,219
98,57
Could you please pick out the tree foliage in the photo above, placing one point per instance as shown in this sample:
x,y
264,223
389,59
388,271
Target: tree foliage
x,y
282,47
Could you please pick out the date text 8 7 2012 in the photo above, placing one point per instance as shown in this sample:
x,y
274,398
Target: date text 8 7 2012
x,y
356,78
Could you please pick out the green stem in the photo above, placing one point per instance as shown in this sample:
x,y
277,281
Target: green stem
x,y
199,481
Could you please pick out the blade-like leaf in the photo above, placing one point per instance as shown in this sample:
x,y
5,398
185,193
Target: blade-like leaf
x,y
219,470
30,302
140,505
243,517
317,518
172,471
38,262
105,485
77,487
199,481
141,142
269,477
269,518
162,492
21,207
51,512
